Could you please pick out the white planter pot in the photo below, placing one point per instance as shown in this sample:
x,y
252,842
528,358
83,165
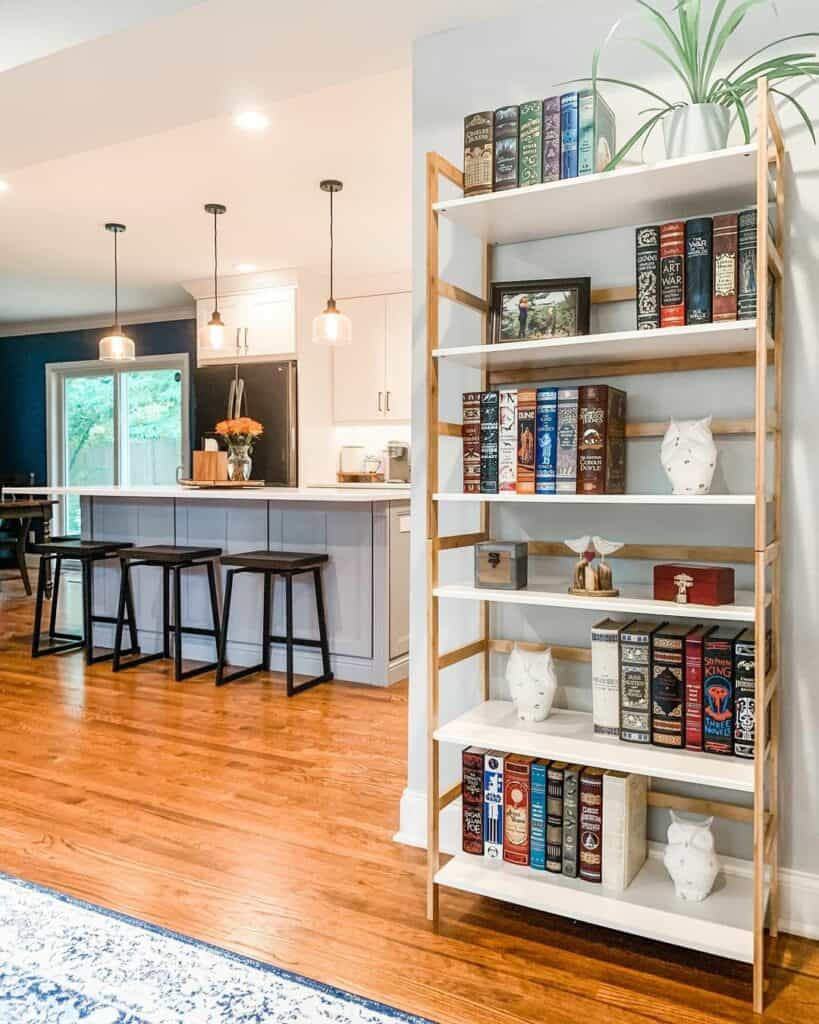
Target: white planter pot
x,y
699,128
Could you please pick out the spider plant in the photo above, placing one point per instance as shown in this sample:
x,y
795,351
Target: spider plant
x,y
692,50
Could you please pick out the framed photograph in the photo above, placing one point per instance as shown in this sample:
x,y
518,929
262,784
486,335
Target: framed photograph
x,y
537,310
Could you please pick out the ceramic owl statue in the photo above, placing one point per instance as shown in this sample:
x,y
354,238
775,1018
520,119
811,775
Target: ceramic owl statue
x,y
689,456
532,683
690,857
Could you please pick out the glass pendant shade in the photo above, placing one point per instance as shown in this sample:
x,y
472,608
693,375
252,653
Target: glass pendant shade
x,y
116,347
215,331
332,327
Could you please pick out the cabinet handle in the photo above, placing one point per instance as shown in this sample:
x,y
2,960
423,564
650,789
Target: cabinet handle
x,y
380,394
387,409
246,348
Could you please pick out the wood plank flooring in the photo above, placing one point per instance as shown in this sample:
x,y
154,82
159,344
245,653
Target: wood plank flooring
x,y
265,826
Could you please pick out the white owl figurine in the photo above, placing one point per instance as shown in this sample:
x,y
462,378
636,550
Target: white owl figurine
x,y
690,857
689,456
532,683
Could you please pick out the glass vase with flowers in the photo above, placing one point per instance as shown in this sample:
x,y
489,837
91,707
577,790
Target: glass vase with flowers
x,y
240,435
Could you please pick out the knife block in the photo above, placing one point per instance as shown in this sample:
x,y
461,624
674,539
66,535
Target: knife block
x,y
210,465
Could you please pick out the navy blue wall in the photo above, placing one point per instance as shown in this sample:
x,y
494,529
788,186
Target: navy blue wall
x,y
22,384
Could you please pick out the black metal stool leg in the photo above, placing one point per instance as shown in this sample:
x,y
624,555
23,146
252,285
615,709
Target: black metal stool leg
x,y
129,607
55,593
87,570
222,644
268,582
322,624
124,584
166,611
38,608
288,614
177,624
66,642
214,604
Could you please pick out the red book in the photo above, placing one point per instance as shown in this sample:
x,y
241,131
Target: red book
x,y
517,796
725,267
472,799
694,584
591,824
601,447
693,687
672,274
472,442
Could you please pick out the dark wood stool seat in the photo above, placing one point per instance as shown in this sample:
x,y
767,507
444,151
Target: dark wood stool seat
x,y
172,559
286,564
76,547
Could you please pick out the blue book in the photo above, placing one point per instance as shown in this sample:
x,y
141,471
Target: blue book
x,y
546,457
537,816
569,103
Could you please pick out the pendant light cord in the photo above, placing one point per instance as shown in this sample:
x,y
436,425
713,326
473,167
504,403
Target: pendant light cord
x,y
215,267
331,245
116,282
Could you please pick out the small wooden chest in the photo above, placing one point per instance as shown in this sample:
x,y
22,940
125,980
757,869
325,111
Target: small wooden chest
x,y
694,584
502,565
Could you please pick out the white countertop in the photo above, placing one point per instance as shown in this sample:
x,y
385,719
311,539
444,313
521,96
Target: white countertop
x,y
392,492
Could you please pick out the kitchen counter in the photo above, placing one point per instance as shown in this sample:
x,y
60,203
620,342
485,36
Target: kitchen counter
x,y
355,493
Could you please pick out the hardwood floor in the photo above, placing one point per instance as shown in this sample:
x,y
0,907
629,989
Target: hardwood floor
x,y
265,826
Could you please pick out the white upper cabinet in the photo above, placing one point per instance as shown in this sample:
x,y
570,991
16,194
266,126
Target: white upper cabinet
x,y
258,325
398,390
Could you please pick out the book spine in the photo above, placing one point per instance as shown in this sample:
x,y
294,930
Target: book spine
x,y
489,442
585,132
667,691
635,688
537,824
746,265
516,798
506,148
479,149
591,439
605,653
672,274
507,440
493,805
605,135
648,277
571,815
614,479
551,139
472,442
472,801
567,399
614,831
699,263
693,693
554,818
546,465
531,143
591,826
725,267
568,134
744,698
527,441
718,697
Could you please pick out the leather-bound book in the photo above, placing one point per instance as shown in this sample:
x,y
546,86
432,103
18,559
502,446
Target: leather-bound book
x,y
472,442
635,682
672,274
601,447
507,144
571,815
537,820
718,690
725,267
668,686
693,687
745,691
554,817
591,824
567,408
517,792
699,267
527,440
508,440
489,442
479,152
746,264
648,277
472,799
551,139
530,170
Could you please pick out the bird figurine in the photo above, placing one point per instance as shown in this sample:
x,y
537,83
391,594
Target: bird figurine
x,y
605,547
588,578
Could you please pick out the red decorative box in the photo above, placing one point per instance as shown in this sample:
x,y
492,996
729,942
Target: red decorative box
x,y
694,584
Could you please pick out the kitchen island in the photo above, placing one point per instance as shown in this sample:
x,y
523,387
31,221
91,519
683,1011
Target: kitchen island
x,y
365,532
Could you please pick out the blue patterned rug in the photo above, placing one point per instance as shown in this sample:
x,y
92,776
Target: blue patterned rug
x,y
62,960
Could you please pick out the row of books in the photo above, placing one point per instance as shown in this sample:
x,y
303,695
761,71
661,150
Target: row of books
x,y
552,816
676,686
542,140
549,440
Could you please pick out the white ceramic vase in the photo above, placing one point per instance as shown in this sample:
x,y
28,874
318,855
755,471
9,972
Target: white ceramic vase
x,y
532,683
697,128
690,857
689,456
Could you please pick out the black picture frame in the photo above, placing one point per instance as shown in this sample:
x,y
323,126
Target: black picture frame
x,y
508,322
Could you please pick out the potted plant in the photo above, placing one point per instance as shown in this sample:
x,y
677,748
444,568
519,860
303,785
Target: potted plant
x,y
692,50
240,435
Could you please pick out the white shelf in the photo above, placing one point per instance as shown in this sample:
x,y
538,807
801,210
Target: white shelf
x,y
649,194
601,499
721,925
614,346
568,736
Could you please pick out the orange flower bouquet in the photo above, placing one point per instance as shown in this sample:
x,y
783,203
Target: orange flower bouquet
x,y
239,435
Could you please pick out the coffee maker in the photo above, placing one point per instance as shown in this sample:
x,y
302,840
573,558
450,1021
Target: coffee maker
x,y
397,462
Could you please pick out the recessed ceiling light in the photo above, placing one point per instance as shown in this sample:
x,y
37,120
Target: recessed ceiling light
x,y
251,121
4,186
246,268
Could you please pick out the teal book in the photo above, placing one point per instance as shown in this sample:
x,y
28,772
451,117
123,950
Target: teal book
x,y
546,441
596,136
537,817
530,146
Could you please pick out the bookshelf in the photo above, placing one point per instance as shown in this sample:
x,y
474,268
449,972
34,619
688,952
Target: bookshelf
x,y
732,921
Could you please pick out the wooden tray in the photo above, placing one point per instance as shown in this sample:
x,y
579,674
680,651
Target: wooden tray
x,y
214,485
360,478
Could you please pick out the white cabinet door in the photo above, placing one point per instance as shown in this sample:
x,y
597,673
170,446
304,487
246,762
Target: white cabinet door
x,y
232,311
271,323
398,380
358,369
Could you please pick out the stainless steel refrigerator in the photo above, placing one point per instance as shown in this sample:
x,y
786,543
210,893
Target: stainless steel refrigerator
x,y
266,392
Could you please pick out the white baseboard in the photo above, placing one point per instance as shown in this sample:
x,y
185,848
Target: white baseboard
x,y
798,890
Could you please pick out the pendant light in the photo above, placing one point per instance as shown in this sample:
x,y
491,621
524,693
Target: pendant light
x,y
216,327
332,327
115,347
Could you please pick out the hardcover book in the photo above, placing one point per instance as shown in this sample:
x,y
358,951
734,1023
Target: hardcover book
x,y
591,825
551,139
601,447
531,143
635,682
595,132
479,147
571,818
746,265
517,778
693,687
725,267
554,816
567,409
527,440
568,134
493,805
718,690
506,148
625,812
472,442
489,442
605,654
472,799
745,691
507,440
546,464
672,274
668,686
648,277
537,822
699,234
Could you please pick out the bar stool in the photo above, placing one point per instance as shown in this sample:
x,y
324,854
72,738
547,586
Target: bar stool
x,y
286,564
87,553
173,559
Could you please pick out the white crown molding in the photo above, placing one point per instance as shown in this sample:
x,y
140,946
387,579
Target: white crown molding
x,y
237,284
147,316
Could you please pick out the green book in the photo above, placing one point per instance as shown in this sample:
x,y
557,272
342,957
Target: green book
x,y
531,150
596,133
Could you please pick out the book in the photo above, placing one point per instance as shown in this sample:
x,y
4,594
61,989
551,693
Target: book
x,y
718,690
568,134
472,799
567,408
506,148
537,819
551,139
472,442
625,814
507,440
489,442
479,149
590,825
546,456
668,685
693,687
554,817
648,277
635,682
571,817
745,691
672,274
527,440
517,787
530,157
725,267
493,804
595,133
601,446
699,263
746,264
605,655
